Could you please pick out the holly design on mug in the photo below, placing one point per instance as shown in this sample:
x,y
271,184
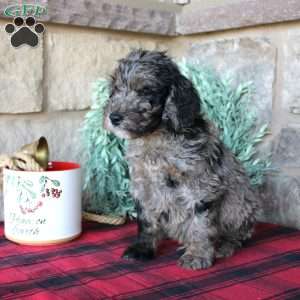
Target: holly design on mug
x,y
28,200
25,194
49,187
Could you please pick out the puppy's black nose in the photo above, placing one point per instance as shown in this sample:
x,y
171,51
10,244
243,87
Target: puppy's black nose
x,y
115,118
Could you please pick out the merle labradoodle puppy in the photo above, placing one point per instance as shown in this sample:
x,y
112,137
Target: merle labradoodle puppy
x,y
187,185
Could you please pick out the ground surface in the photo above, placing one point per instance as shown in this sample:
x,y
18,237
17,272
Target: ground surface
x,y
91,268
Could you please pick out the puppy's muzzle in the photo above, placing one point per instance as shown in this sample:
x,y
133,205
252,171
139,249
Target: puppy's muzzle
x,y
115,118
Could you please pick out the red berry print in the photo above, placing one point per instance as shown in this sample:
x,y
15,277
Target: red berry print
x,y
55,193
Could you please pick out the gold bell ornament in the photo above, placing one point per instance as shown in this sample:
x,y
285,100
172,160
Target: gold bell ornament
x,y
31,157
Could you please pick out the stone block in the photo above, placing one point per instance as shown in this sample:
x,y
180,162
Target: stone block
x,y
21,76
76,59
286,148
148,18
291,75
243,60
217,15
60,129
281,201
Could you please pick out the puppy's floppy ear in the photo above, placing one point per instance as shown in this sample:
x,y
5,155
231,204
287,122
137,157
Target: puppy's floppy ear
x,y
182,105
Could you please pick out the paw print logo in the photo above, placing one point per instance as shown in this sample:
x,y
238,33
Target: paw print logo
x,y
24,32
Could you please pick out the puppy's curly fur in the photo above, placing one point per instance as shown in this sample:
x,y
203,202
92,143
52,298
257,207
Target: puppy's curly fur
x,y
188,186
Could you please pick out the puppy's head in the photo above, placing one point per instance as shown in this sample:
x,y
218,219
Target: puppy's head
x,y
147,89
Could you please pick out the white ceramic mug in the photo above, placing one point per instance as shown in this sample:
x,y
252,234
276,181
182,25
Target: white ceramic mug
x,y
42,208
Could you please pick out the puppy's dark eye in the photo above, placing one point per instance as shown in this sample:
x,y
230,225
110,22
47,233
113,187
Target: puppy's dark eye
x,y
146,91
146,106
114,90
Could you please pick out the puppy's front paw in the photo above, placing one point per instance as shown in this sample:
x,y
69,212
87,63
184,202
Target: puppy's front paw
x,y
227,248
138,252
188,261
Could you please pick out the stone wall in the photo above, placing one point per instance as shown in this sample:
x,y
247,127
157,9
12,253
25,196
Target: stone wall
x,y
47,90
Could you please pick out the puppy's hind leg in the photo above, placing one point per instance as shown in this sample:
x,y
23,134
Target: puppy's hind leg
x,y
232,240
226,247
234,231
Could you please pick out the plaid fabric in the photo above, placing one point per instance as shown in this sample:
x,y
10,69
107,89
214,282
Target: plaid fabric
x,y
91,268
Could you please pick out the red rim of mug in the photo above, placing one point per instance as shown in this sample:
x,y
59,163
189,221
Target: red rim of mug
x,y
62,166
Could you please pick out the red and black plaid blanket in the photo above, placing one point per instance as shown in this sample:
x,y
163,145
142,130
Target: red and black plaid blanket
x,y
90,268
